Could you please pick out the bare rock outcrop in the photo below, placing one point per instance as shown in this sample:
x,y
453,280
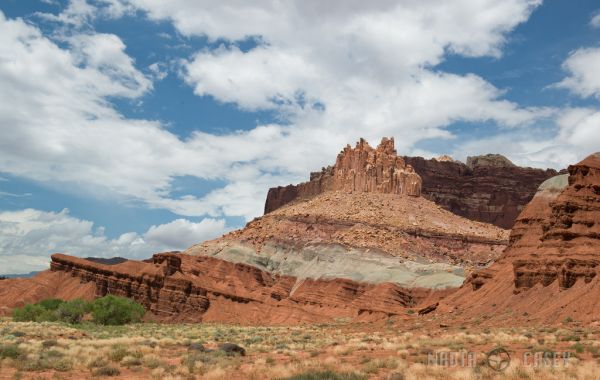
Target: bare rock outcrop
x,y
550,269
178,287
358,169
488,188
489,160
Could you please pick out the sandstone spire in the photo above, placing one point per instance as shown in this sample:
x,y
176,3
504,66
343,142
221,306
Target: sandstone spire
x,y
380,170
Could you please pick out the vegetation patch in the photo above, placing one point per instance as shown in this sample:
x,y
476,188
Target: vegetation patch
x,y
108,310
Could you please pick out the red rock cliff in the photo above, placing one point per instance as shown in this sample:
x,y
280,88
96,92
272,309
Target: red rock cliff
x,y
550,269
179,287
488,189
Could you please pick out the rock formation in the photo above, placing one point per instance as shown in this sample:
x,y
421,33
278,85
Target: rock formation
x,y
363,245
176,287
358,169
489,161
489,188
363,221
550,270
367,237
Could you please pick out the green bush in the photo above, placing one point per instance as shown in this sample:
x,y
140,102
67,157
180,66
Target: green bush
x,y
112,310
108,310
29,313
50,303
51,310
72,311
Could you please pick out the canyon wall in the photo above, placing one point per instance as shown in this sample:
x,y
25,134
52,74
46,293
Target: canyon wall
x,y
489,188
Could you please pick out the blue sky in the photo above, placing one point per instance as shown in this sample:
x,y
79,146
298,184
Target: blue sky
x,y
133,126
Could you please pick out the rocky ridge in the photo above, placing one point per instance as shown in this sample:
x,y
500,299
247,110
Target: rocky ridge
x,y
364,245
549,272
176,287
366,222
488,188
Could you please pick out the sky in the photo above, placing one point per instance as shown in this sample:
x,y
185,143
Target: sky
x,y
129,127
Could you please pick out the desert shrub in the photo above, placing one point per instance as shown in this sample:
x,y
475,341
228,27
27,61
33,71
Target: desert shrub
x,y
49,343
106,371
578,347
11,351
131,361
51,310
50,303
29,313
326,375
72,311
62,365
97,362
118,353
112,310
151,361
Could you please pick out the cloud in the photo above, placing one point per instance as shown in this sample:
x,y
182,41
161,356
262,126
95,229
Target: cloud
x,y
182,233
14,195
104,54
28,238
584,76
79,13
574,136
355,69
579,129
159,70
595,20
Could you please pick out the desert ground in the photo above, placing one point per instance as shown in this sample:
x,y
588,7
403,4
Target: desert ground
x,y
407,348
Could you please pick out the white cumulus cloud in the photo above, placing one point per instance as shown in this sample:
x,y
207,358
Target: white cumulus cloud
x,y
181,233
28,237
584,75
332,72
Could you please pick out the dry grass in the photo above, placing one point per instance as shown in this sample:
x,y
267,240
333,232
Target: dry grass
x,y
355,351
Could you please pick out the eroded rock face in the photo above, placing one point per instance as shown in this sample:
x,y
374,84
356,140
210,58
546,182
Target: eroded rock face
x,y
358,169
179,287
550,269
363,236
566,240
489,161
489,188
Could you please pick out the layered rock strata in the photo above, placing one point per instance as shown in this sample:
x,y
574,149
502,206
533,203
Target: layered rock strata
x,y
368,237
177,287
550,270
489,188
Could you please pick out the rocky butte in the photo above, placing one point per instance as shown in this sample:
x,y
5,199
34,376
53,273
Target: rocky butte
x,y
365,221
364,246
361,168
488,188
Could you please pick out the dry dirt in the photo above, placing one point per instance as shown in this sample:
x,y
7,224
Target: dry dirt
x,y
407,347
